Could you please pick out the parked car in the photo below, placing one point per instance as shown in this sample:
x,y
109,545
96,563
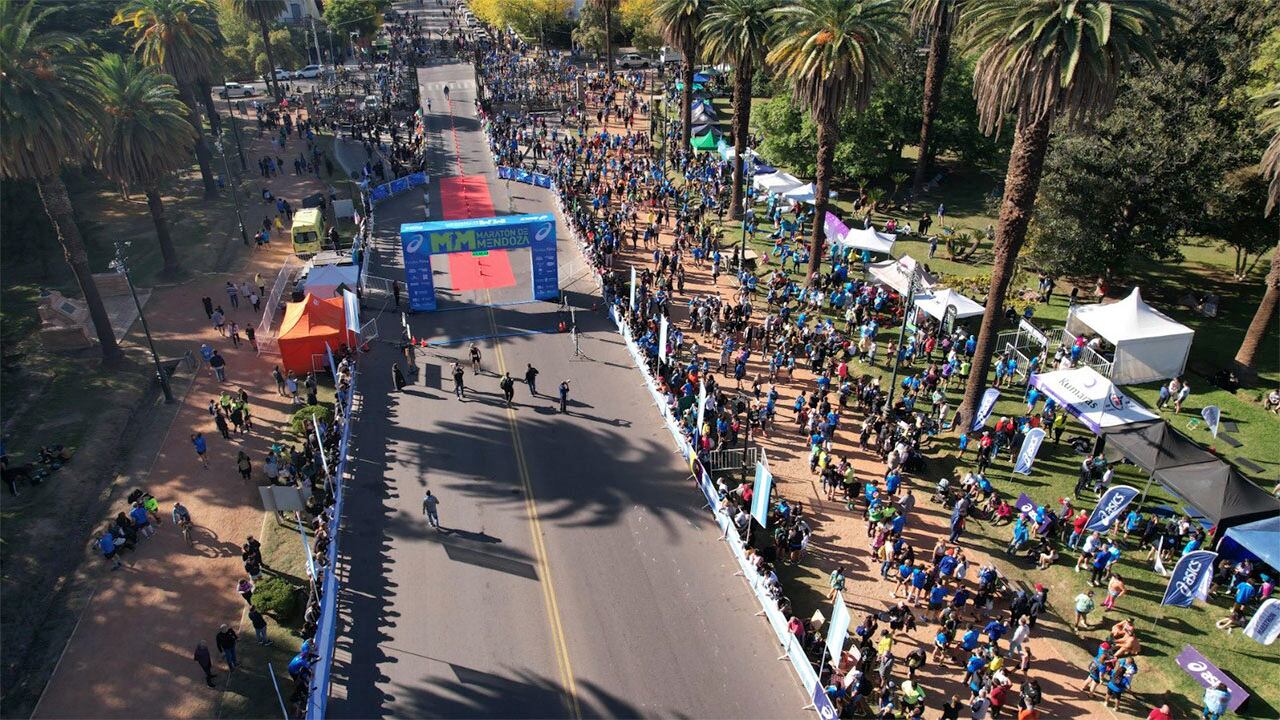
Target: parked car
x,y
280,74
309,72
633,60
235,90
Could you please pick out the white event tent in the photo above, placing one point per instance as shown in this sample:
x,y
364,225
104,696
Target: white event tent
x,y
1092,398
936,302
1149,345
804,193
897,274
778,182
868,239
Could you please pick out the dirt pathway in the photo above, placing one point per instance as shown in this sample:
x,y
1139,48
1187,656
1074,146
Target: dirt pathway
x,y
131,653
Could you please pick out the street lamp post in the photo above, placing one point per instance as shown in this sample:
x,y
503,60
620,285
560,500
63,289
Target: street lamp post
x,y
235,129
120,265
912,286
235,194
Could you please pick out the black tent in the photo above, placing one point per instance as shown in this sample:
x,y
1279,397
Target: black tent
x,y
1219,493
1203,480
1154,446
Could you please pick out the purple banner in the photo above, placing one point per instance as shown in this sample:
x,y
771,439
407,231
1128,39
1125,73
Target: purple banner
x,y
835,228
1208,675
1025,504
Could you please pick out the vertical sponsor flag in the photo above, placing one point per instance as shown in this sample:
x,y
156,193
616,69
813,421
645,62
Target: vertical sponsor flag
x,y
984,408
702,404
838,630
1112,503
760,495
633,287
822,703
1265,624
351,306
662,339
1190,578
306,546
1208,675
1159,565
1025,504
1027,455
333,366
324,461
1211,414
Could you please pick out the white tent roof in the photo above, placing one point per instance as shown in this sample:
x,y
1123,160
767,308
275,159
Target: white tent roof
x,y
1128,319
897,274
778,182
1092,398
1149,345
936,304
868,239
803,193
323,280
730,152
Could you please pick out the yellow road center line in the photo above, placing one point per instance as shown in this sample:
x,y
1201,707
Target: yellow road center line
x,y
539,547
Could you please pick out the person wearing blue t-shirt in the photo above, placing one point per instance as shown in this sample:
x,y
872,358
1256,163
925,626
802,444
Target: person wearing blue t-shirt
x,y
994,631
1244,592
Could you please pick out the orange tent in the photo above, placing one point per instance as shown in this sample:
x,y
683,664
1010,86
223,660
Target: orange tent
x,y
307,327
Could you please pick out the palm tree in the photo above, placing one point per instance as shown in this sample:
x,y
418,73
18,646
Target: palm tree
x,y
736,32
1043,60
606,9
140,134
834,52
680,21
43,112
175,36
264,12
1246,356
937,19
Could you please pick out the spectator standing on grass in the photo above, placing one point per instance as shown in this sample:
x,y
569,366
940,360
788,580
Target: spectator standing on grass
x,y
205,662
245,589
1083,605
226,642
259,626
1216,700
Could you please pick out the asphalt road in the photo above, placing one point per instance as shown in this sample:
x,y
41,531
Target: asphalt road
x,y
577,574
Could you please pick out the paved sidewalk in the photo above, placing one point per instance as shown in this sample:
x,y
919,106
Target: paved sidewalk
x,y
131,654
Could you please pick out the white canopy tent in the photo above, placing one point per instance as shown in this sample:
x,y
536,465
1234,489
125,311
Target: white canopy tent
x,y
937,301
729,153
1149,345
1092,398
779,182
868,239
804,193
897,274
323,281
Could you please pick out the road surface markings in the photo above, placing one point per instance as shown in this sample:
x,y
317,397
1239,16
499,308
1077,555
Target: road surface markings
x,y
539,548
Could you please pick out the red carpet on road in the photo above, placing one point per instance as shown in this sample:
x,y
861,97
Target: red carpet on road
x,y
467,196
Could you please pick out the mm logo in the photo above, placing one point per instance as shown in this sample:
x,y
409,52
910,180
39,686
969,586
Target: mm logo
x,y
453,241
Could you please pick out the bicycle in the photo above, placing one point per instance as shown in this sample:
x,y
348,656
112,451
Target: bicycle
x,y
185,526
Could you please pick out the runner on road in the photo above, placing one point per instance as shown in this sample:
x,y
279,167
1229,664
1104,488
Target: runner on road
x,y
475,359
508,386
458,376
564,396
531,379
429,504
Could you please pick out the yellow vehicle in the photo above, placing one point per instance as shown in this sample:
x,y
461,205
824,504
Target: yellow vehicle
x,y
308,231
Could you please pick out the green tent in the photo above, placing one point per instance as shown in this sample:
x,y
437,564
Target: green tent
x,y
708,141
697,87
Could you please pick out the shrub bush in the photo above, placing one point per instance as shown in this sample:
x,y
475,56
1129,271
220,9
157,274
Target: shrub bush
x,y
297,424
276,597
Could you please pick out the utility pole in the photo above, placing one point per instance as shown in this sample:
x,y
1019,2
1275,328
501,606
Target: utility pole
x,y
120,265
235,193
235,129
